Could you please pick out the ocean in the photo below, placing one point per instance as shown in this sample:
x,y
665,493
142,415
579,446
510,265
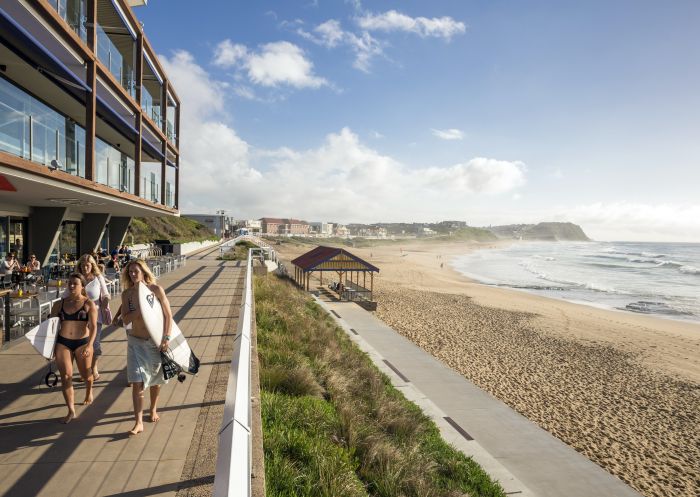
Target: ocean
x,y
661,279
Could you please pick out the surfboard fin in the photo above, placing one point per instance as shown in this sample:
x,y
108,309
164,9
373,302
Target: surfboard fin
x,y
194,364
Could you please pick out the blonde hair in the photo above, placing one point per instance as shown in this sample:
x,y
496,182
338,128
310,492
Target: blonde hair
x,y
85,258
148,277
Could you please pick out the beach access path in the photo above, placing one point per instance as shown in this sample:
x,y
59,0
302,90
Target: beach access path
x,y
93,455
527,460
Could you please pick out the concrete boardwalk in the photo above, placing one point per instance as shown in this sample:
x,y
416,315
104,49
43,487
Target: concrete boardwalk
x,y
93,455
526,459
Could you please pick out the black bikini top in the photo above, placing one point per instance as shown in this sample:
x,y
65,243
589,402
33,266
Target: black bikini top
x,y
79,315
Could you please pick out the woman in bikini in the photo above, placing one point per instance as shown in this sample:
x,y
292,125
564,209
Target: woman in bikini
x,y
97,291
143,363
75,340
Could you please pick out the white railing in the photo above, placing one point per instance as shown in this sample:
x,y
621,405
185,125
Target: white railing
x,y
229,245
234,457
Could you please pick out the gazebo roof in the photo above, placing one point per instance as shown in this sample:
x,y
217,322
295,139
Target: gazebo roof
x,y
332,259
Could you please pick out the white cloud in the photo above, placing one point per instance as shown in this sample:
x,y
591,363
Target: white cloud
x,y
479,175
438,27
637,221
282,63
228,54
449,134
330,35
275,64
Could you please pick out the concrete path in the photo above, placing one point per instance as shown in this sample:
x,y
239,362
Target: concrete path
x,y
526,459
93,455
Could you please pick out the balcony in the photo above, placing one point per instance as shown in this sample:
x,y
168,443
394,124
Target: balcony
x,y
74,12
32,130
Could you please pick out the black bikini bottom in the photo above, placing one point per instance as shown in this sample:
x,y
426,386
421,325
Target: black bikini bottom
x,y
71,344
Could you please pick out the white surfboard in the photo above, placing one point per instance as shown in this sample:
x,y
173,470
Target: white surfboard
x,y
152,314
43,337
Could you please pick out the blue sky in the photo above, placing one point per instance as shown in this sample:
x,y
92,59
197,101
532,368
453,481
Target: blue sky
x,y
490,112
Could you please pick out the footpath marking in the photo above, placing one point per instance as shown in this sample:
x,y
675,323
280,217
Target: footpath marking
x,y
399,373
459,429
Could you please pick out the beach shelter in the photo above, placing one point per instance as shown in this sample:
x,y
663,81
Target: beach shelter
x,y
347,266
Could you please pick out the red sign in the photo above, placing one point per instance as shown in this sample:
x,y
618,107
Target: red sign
x,y
5,185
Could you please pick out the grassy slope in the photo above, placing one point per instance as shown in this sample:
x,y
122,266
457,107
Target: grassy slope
x,y
175,229
333,424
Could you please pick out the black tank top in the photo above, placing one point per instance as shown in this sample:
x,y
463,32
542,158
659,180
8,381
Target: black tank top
x,y
79,315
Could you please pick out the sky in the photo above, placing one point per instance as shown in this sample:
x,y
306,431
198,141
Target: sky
x,y
489,112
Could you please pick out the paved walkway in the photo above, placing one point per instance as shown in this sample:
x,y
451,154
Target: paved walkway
x,y
92,455
526,459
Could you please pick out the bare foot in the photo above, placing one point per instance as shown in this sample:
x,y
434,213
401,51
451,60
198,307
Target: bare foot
x,y
95,376
138,428
88,400
154,417
69,418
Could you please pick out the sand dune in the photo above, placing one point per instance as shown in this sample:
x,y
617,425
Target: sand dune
x,y
623,389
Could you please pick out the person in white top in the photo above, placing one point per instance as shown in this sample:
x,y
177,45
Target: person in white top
x,y
9,264
33,263
97,291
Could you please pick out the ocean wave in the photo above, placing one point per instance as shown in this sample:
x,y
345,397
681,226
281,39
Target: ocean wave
x,y
614,250
651,307
588,285
689,270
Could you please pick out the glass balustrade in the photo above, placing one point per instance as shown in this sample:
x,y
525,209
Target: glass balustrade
x,y
33,131
111,57
113,167
152,110
74,12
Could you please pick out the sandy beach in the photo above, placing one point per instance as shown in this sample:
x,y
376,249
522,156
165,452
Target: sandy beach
x,y
621,388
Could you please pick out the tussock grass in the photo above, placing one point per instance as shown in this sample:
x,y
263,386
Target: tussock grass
x,y
333,425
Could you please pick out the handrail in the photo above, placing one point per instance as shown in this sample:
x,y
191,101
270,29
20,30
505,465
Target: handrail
x,y
234,457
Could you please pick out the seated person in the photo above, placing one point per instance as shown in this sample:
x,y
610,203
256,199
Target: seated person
x,y
9,264
114,263
33,263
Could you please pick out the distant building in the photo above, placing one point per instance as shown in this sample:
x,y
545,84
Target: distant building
x,y
218,223
250,225
279,226
341,231
322,229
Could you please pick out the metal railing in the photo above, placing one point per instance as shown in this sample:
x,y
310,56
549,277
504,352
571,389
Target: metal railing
x,y
234,457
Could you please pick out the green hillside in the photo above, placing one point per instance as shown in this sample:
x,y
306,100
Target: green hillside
x,y
175,229
541,231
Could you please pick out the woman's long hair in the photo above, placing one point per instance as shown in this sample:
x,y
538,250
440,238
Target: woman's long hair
x,y
81,278
88,258
148,277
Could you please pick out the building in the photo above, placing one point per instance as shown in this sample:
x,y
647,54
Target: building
x,y
218,223
249,225
89,127
321,229
278,226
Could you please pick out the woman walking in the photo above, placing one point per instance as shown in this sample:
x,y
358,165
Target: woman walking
x,y
97,291
78,316
143,363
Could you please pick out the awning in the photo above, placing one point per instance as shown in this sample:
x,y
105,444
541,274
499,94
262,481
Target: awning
x,y
22,43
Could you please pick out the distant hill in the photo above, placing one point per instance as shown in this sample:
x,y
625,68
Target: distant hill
x,y
175,229
542,231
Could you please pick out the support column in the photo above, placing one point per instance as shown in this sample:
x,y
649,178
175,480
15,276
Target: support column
x,y
91,97
44,228
139,115
117,230
92,227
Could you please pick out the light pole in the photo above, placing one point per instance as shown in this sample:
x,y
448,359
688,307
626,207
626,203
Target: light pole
x,y
223,231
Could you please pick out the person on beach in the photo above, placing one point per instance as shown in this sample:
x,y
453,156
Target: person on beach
x,y
97,291
78,315
143,362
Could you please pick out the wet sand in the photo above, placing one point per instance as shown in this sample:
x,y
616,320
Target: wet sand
x,y
621,388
